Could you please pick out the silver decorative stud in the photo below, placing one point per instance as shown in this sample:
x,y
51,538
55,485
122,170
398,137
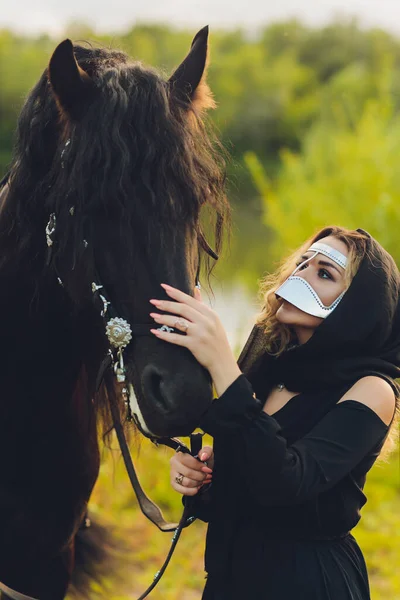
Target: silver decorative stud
x,y
72,211
105,306
60,282
120,373
85,243
96,287
125,396
67,143
119,332
50,229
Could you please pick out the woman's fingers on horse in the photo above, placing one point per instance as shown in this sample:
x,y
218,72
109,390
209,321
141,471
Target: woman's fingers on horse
x,y
179,309
189,300
170,320
172,338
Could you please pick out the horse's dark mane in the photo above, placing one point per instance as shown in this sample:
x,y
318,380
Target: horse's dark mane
x,y
138,158
137,152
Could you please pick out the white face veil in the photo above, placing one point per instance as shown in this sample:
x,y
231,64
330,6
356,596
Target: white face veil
x,y
301,294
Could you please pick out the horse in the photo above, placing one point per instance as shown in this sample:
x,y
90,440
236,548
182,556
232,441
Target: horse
x,y
113,169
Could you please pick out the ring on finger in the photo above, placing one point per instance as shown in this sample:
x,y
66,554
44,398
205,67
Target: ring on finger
x,y
181,324
179,478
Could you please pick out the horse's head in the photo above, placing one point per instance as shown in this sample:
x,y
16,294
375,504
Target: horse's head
x,y
122,168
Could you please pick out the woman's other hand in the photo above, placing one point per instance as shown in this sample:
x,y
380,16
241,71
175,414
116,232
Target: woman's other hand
x,y
191,473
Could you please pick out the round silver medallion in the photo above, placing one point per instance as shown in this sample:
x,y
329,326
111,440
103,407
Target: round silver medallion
x,y
119,332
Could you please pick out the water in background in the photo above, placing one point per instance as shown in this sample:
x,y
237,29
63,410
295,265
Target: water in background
x,y
237,309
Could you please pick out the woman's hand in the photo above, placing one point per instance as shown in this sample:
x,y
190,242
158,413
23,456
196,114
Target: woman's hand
x,y
195,473
205,336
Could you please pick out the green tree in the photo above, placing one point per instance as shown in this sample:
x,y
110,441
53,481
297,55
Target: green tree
x,y
346,175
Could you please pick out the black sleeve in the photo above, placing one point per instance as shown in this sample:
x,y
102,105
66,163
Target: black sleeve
x,y
200,504
272,471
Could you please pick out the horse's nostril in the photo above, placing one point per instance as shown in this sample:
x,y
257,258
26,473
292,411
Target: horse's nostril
x,y
154,388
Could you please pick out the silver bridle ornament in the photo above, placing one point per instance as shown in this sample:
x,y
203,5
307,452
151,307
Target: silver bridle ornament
x,y
119,333
50,229
297,291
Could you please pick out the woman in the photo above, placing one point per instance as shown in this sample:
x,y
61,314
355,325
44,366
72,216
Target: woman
x,y
298,421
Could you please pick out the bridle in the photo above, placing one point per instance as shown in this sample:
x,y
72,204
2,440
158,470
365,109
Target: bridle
x,y
119,333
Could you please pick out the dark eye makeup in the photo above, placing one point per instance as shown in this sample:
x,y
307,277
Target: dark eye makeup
x,y
322,273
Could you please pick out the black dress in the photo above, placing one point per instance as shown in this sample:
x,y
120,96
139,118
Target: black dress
x,y
286,491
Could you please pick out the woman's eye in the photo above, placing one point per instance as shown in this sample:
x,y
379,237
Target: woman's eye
x,y
324,272
301,267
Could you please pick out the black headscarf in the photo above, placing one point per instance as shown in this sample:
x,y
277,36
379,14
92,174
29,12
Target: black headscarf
x,y
360,337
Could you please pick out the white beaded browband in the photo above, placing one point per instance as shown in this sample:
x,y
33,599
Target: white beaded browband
x,y
329,252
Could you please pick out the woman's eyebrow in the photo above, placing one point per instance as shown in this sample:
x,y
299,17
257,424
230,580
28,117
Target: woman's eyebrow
x,y
324,263
328,264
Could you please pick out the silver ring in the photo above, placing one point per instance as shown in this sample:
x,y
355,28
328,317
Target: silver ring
x,y
181,324
179,479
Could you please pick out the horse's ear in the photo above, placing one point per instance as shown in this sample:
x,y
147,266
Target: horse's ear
x,y
188,82
72,86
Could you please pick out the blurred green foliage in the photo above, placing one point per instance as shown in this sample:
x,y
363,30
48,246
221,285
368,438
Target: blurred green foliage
x,y
279,82
311,118
346,174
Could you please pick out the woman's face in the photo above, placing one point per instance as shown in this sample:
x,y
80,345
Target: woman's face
x,y
328,280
